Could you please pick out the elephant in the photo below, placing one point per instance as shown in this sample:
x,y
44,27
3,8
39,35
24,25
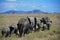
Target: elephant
x,y
34,21
47,21
38,24
5,31
13,29
48,24
44,20
24,26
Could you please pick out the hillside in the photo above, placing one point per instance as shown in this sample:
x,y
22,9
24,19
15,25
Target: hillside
x,y
22,12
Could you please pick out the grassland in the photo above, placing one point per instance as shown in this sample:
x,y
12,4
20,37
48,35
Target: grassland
x,y
52,34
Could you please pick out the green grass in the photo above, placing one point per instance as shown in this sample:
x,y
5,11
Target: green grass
x,y
52,34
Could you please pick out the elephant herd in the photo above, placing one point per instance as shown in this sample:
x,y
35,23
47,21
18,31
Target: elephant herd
x,y
27,25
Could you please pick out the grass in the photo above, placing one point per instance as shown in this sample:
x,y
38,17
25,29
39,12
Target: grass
x,y
52,34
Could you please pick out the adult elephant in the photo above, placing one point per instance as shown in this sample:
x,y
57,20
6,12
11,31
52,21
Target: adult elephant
x,y
35,23
23,26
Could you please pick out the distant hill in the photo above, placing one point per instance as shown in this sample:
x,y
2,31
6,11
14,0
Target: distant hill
x,y
23,12
13,12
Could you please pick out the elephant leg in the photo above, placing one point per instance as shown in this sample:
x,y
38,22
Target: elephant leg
x,y
16,31
30,29
43,28
35,20
26,31
38,27
11,30
34,27
23,33
48,26
20,33
7,34
2,33
19,29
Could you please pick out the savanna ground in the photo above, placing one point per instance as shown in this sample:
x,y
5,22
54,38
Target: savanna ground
x,y
52,34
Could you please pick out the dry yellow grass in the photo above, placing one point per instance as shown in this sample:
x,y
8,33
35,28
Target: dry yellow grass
x,y
52,34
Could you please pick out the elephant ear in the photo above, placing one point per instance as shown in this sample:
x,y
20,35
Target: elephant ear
x,y
29,20
41,20
17,24
35,19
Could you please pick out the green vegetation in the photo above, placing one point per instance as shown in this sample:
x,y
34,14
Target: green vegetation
x,y
52,34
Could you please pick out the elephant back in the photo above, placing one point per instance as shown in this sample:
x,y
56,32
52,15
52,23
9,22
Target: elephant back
x,y
5,29
23,20
13,26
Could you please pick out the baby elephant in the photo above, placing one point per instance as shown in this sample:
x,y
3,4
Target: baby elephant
x,y
5,32
13,29
46,21
48,24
